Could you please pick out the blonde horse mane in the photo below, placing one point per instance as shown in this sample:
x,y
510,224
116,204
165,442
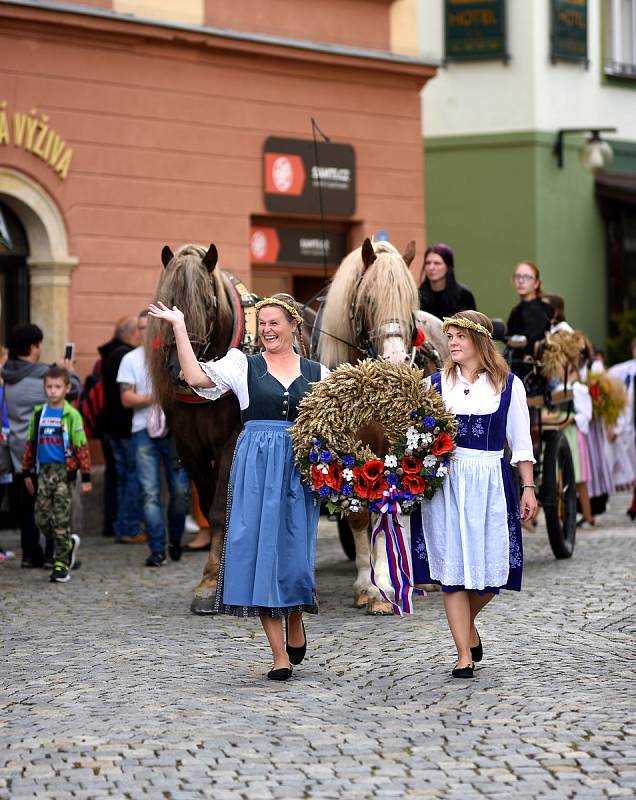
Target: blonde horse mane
x,y
385,292
202,296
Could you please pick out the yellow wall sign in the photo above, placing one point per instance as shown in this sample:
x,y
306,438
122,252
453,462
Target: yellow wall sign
x,y
31,132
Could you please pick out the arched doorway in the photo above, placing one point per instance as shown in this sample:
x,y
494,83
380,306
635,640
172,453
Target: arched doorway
x,y
49,265
15,289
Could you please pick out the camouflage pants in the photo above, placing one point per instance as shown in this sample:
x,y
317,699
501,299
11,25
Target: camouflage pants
x,y
53,509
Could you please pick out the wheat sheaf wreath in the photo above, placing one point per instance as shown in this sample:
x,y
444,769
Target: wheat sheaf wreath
x,y
345,474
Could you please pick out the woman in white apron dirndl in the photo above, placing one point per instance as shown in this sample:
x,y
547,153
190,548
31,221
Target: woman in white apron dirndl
x,y
468,537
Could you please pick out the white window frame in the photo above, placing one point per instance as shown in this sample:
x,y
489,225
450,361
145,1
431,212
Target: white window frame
x,y
620,41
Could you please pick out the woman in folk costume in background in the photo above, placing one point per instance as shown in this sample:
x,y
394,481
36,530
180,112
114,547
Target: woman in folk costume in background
x,y
625,432
267,567
468,537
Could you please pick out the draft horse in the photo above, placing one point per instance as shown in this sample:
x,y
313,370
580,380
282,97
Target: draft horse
x,y
372,309
217,310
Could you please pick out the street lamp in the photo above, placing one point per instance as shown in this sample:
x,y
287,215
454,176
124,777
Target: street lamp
x,y
596,154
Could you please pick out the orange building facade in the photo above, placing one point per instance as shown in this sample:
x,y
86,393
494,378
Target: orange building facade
x,y
120,133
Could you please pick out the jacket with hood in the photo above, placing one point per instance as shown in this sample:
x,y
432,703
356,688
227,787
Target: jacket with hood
x,y
24,390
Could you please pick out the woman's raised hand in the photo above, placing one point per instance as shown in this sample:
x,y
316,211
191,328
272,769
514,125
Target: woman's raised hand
x,y
174,316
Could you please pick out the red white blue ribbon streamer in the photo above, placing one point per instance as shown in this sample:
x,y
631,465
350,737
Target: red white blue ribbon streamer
x,y
398,553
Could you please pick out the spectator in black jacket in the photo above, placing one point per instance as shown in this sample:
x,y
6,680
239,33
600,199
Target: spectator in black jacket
x,y
117,422
440,293
532,317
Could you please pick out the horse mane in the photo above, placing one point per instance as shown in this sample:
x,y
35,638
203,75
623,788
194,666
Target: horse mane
x,y
335,317
385,291
203,298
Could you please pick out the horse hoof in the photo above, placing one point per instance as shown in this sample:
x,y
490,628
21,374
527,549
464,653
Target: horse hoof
x,y
379,608
203,606
360,600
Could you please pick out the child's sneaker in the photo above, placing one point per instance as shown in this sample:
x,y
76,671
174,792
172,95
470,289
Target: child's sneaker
x,y
61,573
75,543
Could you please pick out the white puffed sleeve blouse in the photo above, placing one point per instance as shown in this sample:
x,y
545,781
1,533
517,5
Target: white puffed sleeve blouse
x,y
482,398
230,375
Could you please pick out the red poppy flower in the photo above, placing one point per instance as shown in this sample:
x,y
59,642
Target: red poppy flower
x,y
362,485
318,478
373,469
415,484
377,489
157,342
443,444
595,391
411,465
333,479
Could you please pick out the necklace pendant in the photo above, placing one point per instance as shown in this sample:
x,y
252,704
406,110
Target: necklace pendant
x,y
466,391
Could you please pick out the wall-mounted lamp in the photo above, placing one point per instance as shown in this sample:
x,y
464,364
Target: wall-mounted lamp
x,y
596,154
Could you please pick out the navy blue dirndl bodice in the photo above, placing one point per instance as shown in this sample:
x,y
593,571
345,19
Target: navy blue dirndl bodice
x,y
481,431
269,399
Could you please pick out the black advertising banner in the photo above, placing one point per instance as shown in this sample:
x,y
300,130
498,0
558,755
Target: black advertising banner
x,y
568,39
475,29
291,177
277,244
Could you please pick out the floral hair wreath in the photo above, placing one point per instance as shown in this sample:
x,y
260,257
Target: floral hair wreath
x,y
348,476
274,301
462,322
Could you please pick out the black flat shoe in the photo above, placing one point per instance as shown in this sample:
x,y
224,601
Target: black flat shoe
x,y
296,654
477,652
464,672
280,674
200,549
631,514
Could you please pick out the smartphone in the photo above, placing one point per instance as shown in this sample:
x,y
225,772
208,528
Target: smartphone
x,y
69,351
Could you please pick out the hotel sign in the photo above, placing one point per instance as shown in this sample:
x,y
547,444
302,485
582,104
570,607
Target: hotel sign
x,y
475,29
279,244
568,40
31,131
292,179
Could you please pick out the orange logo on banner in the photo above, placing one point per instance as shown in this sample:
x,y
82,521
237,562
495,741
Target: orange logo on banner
x,y
264,245
284,174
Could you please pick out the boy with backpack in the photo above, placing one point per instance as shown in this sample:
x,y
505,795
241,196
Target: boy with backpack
x,y
56,449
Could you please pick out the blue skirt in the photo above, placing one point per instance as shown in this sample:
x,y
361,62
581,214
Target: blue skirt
x,y
267,566
421,570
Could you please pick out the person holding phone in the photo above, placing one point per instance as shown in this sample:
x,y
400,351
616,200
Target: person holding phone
x,y
23,376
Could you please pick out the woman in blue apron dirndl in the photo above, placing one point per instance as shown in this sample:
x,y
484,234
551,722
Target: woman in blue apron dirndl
x,y
468,537
267,565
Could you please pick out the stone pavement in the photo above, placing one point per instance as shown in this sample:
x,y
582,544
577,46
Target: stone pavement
x,y
111,688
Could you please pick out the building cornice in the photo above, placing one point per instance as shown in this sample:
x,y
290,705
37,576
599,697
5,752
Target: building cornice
x,y
97,19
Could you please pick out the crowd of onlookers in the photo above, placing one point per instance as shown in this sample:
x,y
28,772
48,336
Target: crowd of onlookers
x,y
44,437
604,453
43,441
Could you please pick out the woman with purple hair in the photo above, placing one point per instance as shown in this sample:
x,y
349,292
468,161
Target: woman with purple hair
x,y
440,293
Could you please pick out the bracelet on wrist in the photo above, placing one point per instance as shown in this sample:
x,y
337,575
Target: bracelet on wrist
x,y
528,486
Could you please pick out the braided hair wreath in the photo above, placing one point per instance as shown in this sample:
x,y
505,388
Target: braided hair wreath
x,y
346,475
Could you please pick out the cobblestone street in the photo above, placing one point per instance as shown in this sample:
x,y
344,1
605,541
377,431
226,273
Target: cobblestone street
x,y
111,688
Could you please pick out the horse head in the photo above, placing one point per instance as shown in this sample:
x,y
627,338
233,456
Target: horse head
x,y
370,305
192,281
382,308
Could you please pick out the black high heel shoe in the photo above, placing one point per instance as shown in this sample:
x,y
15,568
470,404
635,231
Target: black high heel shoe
x,y
280,674
296,654
477,652
464,672
631,514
